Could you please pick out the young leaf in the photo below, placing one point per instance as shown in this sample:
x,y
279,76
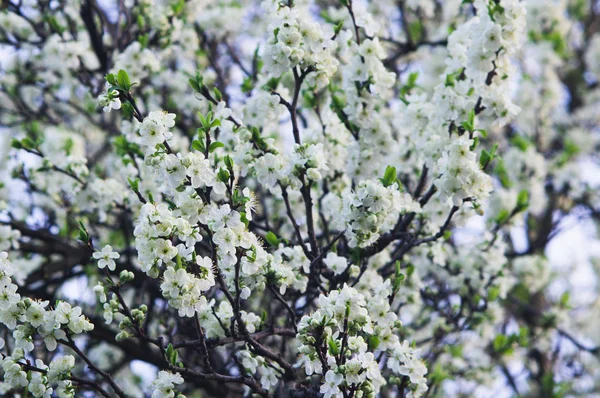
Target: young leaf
x,y
134,184
333,347
123,80
223,175
272,239
217,93
111,79
198,146
389,177
214,146
228,162
522,200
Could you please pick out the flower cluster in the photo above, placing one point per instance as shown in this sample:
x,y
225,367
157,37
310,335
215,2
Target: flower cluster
x,y
370,211
343,337
42,380
184,290
462,177
294,193
155,129
298,42
164,385
28,319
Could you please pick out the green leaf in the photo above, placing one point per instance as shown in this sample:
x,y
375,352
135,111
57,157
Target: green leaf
x,y
111,79
28,143
127,110
493,293
503,174
56,27
272,239
194,84
272,84
247,85
523,337
467,126
171,354
223,175
397,282
522,200
83,233
569,152
500,343
471,119
134,184
548,384
15,143
520,142
374,342
198,146
197,83
398,268
141,22
415,31
389,177
338,27
502,216
144,40
217,93
412,79
244,219
123,80
564,300
204,122
333,347
177,6
455,350
228,162
214,146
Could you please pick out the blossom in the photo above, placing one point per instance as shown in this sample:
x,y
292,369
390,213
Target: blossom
x,y
109,101
336,263
60,368
330,388
315,200
106,257
164,385
155,128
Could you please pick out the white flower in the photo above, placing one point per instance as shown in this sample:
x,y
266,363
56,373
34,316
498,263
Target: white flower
x,y
106,257
6,268
335,263
100,292
164,385
155,128
60,368
199,170
330,387
251,203
269,169
109,101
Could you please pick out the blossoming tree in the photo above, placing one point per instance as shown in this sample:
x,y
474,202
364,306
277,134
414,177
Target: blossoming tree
x,y
336,198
